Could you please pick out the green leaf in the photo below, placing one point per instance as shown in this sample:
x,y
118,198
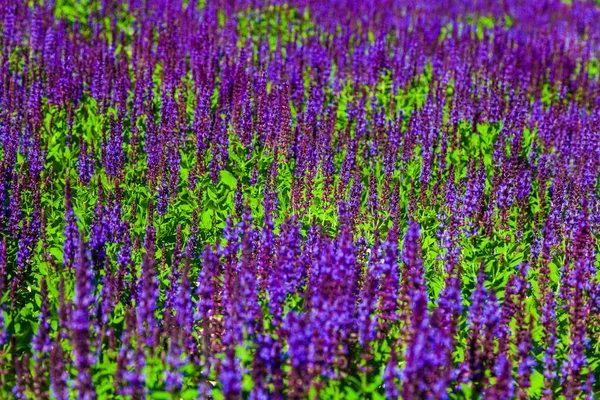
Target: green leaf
x,y
351,394
162,395
189,394
217,393
228,179
537,383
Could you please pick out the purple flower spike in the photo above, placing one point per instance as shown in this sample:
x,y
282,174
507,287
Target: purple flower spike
x,y
71,231
80,324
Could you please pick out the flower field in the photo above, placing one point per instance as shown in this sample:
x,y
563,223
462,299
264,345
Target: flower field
x,y
309,199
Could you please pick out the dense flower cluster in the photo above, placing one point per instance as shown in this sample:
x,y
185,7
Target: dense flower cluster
x,y
302,199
